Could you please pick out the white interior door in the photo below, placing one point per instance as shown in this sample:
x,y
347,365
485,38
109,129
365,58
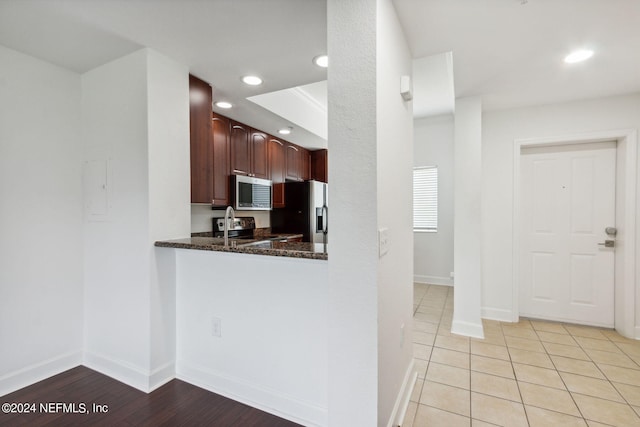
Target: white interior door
x,y
567,201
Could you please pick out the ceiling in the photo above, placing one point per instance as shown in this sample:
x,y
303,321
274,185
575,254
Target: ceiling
x,y
219,40
509,52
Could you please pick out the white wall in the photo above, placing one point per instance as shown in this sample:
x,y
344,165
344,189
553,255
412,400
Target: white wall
x,y
395,213
467,238
40,220
135,117
500,129
169,199
370,148
433,252
117,254
353,259
272,352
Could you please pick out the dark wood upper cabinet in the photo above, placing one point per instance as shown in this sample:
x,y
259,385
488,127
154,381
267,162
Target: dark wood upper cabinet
x,y
259,154
305,164
293,162
249,151
221,147
319,165
221,157
240,149
200,97
277,159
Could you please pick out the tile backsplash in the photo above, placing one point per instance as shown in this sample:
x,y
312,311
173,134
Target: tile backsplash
x,y
201,217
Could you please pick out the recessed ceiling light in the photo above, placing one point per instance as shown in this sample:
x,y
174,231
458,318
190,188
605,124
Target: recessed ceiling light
x,y
223,104
252,80
285,131
321,61
578,56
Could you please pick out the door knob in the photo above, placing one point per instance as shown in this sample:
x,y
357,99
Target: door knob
x,y
608,243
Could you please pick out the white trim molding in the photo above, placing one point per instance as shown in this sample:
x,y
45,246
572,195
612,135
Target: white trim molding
x,y
122,371
402,401
473,330
433,280
626,211
499,314
37,372
254,395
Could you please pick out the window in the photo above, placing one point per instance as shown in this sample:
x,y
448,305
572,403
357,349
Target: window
x,y
425,198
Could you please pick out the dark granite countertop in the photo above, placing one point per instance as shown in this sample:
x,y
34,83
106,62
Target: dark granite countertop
x,y
258,246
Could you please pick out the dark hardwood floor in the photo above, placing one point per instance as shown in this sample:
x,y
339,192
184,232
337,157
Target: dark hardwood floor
x,y
175,404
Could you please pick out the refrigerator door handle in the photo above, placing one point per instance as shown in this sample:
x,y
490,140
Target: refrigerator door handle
x,y
325,217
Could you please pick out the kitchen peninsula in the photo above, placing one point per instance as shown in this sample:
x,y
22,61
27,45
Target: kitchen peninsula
x,y
251,316
256,247
252,327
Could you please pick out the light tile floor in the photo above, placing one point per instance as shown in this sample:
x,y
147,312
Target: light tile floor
x,y
531,373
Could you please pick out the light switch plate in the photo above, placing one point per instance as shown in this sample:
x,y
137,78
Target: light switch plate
x,y
383,241
216,327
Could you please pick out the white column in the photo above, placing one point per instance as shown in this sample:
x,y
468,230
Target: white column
x,y
467,257
353,248
370,175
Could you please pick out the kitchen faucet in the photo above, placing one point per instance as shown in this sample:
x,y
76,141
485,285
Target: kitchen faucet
x,y
229,213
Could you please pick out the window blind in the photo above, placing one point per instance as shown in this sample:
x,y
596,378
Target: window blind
x,y
425,198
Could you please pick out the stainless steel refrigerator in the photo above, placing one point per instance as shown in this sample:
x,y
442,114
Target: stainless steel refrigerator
x,y
306,211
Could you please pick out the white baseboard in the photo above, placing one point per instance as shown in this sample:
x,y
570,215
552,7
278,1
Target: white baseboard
x,y
127,373
499,314
433,280
467,329
637,333
162,375
402,401
255,395
37,372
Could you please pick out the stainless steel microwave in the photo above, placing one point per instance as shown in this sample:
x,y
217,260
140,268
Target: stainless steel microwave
x,y
250,194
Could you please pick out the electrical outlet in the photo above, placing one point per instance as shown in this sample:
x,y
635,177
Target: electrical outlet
x,y
216,327
383,241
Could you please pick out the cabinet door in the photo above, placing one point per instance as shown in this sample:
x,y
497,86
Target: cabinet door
x,y
305,164
220,126
293,162
259,155
319,165
200,96
240,149
277,158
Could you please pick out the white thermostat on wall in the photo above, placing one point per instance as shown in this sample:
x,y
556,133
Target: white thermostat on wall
x,y
383,241
405,88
